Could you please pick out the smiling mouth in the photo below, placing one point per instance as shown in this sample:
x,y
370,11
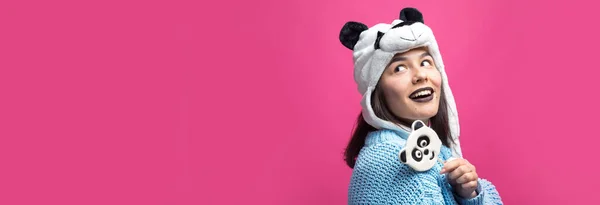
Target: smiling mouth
x,y
422,94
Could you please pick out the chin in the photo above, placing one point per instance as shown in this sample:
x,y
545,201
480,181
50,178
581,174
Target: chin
x,y
420,112
426,114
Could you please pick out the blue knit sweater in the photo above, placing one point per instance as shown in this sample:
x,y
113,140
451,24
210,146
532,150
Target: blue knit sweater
x,y
379,177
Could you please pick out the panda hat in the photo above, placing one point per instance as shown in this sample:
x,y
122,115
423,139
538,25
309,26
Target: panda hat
x,y
374,47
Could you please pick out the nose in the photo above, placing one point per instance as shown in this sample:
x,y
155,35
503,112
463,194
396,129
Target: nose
x,y
420,76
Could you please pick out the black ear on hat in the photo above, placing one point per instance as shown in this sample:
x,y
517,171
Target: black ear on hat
x,y
350,33
411,14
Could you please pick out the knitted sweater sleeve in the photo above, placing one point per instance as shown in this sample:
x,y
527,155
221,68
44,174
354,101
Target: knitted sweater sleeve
x,y
379,178
486,194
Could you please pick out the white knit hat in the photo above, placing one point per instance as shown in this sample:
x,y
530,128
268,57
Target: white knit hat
x,y
374,47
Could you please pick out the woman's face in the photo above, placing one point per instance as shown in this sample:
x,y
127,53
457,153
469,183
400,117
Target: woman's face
x,y
411,85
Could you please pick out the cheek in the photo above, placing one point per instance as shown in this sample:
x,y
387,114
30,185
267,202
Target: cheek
x,y
395,89
436,79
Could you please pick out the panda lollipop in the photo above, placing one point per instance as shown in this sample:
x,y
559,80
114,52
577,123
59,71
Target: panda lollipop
x,y
422,147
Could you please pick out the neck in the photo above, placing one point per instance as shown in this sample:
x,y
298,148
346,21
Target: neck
x,y
408,123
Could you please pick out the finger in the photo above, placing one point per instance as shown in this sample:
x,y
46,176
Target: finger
x,y
473,169
468,163
465,178
470,185
458,172
450,166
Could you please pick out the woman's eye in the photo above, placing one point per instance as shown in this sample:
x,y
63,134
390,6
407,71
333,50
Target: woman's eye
x,y
426,63
399,68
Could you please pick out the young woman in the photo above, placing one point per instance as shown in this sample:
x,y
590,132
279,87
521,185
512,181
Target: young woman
x,y
400,73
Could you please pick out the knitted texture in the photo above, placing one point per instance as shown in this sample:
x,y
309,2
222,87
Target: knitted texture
x,y
380,178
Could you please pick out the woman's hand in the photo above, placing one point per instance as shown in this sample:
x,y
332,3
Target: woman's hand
x,y
462,176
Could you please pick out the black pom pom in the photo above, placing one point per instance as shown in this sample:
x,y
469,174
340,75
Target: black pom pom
x,y
411,14
350,33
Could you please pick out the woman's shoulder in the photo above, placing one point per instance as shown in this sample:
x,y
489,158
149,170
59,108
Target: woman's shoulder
x,y
378,161
381,150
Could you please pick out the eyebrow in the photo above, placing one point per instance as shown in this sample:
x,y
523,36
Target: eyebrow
x,y
425,54
402,58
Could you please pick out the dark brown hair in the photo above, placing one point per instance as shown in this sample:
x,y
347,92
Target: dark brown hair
x,y
439,123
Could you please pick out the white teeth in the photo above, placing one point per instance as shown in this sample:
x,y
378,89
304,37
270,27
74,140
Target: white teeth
x,y
421,93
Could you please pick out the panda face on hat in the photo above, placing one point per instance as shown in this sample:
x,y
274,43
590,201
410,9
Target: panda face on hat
x,y
422,148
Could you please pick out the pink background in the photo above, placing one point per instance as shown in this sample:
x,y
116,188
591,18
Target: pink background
x,y
252,102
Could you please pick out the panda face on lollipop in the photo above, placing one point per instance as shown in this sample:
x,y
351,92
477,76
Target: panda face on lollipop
x,y
422,147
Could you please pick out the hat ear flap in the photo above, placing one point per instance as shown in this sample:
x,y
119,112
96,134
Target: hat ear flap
x,y
350,33
411,14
